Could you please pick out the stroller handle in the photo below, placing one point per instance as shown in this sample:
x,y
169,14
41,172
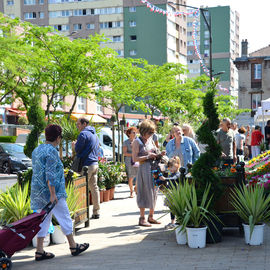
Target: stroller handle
x,y
49,207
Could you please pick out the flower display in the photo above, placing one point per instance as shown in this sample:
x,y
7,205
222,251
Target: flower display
x,y
258,170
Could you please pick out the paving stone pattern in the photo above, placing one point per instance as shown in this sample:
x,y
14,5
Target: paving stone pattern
x,y
118,243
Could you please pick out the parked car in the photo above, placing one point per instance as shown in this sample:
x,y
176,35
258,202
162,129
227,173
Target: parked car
x,y
12,158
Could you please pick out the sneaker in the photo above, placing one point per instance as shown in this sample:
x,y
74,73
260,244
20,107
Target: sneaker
x,y
170,226
95,216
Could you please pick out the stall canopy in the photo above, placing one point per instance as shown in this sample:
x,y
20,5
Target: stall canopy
x,y
263,113
94,118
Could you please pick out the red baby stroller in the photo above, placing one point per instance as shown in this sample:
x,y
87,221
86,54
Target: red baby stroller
x,y
18,235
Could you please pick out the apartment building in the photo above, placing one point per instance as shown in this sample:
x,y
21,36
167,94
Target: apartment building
x,y
254,77
132,29
225,45
193,62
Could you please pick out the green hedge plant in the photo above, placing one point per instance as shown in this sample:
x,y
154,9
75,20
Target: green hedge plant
x,y
8,139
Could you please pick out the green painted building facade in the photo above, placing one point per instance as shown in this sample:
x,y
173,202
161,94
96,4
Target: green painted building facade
x,y
150,32
225,44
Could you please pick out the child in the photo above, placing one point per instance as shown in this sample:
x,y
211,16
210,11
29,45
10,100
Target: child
x,y
174,165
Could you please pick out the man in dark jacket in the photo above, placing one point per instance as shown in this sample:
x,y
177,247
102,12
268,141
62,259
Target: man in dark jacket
x,y
88,141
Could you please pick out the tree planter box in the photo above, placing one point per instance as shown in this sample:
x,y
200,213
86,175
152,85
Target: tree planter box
x,y
82,216
223,205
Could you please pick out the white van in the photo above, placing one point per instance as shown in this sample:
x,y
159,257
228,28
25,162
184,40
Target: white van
x,y
106,142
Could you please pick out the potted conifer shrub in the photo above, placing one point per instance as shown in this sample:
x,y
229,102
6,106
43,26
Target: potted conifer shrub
x,y
252,205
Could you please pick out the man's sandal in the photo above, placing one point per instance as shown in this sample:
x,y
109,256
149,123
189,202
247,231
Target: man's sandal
x,y
79,249
43,256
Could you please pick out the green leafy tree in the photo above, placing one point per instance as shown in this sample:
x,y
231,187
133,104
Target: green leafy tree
x,y
122,75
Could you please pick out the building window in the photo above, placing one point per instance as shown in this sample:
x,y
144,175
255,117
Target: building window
x,y
61,27
120,52
190,43
257,71
79,12
133,38
117,39
189,24
256,101
206,34
190,52
30,15
132,23
81,104
29,2
41,2
10,2
41,15
206,53
90,26
189,33
132,9
132,52
77,26
116,24
12,16
99,109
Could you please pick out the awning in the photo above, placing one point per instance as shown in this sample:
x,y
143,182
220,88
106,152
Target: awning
x,y
14,111
94,118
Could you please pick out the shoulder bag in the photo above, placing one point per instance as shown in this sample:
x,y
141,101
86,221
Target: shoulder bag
x,y
78,161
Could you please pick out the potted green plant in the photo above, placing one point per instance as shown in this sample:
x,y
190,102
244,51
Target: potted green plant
x,y
175,200
15,203
252,205
197,216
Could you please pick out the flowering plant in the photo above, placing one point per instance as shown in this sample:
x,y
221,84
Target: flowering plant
x,y
226,171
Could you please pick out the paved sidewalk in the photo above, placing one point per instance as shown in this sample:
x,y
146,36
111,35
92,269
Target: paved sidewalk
x,y
118,243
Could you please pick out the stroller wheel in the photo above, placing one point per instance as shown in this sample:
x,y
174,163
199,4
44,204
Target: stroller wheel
x,y
2,254
5,264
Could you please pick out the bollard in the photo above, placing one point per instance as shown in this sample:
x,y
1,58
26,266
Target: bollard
x,y
182,174
85,173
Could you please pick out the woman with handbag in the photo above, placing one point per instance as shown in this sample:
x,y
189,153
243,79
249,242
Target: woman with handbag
x,y
144,151
131,166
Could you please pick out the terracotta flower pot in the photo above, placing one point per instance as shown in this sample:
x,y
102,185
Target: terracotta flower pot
x,y
101,194
112,190
106,195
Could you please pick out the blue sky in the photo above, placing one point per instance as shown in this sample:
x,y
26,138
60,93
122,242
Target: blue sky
x,y
254,19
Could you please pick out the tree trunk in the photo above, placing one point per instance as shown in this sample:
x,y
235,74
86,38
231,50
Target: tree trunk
x,y
72,107
118,143
113,141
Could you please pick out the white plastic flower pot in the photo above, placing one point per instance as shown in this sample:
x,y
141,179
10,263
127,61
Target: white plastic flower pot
x,y
256,238
196,237
45,243
58,237
181,237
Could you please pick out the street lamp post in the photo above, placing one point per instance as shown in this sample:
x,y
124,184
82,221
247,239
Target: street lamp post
x,y
208,24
